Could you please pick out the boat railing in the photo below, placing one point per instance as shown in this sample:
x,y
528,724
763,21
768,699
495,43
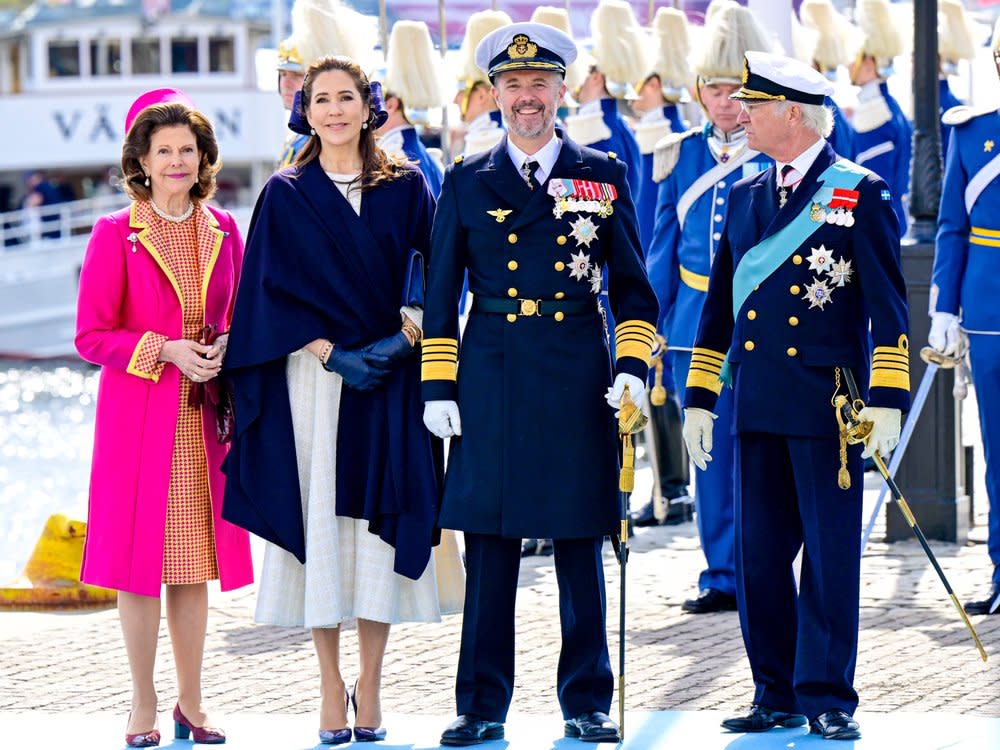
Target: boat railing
x,y
49,226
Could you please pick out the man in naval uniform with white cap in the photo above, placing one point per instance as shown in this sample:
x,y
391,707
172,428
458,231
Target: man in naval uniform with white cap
x,y
807,266
530,403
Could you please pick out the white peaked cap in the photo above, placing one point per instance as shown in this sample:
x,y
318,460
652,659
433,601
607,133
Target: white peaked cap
x,y
525,46
880,30
558,18
732,32
673,47
413,68
620,48
476,28
777,77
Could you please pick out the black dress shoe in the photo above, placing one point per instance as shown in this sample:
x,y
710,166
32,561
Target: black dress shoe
x,y
645,516
681,510
760,719
988,606
593,726
710,600
835,724
469,729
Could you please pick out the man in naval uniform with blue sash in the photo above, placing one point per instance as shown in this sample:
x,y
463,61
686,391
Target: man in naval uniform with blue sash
x,y
695,171
966,285
808,264
533,453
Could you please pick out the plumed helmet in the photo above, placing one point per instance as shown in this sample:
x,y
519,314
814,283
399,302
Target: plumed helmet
x,y
413,67
620,49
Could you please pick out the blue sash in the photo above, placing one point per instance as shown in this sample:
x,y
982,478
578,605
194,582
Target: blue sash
x,y
764,258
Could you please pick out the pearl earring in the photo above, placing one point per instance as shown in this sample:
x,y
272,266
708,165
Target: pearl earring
x,y
312,131
364,126
146,182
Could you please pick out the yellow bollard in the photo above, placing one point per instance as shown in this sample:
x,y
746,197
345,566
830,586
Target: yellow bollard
x,y
51,578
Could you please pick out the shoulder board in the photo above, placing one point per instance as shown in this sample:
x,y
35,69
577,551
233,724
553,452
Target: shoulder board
x,y
459,158
963,113
612,155
667,151
871,114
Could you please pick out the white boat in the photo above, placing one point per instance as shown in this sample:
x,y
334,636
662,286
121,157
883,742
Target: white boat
x,y
68,74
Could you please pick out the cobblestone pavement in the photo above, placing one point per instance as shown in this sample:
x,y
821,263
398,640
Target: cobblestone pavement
x,y
915,654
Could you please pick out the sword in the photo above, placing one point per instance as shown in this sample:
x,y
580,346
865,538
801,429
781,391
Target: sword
x,y
630,421
855,432
935,361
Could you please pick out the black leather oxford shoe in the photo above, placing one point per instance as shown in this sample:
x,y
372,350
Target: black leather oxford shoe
x,y
988,606
836,724
710,600
469,729
760,719
593,726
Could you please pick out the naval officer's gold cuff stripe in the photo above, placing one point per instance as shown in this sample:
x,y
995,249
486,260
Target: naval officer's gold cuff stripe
x,y
694,280
639,350
442,343
636,325
700,379
886,378
709,354
439,371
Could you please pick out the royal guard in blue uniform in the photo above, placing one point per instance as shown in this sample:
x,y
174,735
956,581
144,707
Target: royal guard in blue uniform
x,y
807,269
482,123
526,399
319,27
956,42
966,285
884,134
831,31
412,84
695,171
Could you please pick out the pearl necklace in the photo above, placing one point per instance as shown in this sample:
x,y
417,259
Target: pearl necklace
x,y
173,219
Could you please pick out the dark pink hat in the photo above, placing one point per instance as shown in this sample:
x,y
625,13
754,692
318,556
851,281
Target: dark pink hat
x,y
156,96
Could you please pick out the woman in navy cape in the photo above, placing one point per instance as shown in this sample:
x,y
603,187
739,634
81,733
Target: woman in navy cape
x,y
330,462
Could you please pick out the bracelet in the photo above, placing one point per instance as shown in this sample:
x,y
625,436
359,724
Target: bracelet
x,y
412,332
325,352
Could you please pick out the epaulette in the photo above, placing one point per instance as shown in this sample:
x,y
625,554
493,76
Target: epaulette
x,y
612,155
871,114
963,113
458,159
666,152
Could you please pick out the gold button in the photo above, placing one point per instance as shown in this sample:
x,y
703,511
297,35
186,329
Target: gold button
x,y
793,321
561,239
512,265
512,292
797,260
560,295
512,238
511,318
791,351
560,266
751,314
794,289
749,345
559,316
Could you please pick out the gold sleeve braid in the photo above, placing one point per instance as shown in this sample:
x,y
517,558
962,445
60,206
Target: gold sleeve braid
x,y
891,366
634,338
439,359
706,367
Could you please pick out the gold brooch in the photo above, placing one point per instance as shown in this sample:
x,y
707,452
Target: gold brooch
x,y
500,214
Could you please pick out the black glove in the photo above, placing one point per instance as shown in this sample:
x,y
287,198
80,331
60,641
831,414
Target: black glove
x,y
358,371
391,349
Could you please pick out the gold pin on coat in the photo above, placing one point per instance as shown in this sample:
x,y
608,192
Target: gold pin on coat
x,y
500,214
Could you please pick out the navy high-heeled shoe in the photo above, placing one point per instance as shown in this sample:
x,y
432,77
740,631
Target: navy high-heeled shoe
x,y
337,736
364,734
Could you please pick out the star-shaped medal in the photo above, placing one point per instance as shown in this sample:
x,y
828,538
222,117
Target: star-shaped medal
x,y
579,265
840,272
818,294
583,231
820,259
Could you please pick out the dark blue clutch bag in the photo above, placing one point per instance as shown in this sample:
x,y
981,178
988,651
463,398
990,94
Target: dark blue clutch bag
x,y
413,283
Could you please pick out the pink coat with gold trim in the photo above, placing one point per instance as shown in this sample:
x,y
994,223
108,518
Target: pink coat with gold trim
x,y
127,294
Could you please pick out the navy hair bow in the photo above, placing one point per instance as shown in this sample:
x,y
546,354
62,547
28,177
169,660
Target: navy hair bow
x,y
378,105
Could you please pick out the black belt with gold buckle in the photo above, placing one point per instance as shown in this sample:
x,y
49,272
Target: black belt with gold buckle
x,y
532,307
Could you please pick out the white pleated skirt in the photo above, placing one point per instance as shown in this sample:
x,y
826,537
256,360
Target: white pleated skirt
x,y
348,571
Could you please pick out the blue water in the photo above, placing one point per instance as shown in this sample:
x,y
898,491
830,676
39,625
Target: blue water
x,y
46,439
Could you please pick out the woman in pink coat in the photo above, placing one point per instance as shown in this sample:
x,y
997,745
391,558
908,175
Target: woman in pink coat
x,y
156,274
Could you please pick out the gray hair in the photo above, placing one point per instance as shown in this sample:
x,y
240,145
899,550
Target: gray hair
x,y
816,117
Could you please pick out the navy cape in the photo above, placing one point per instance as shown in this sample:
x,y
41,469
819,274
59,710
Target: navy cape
x,y
315,269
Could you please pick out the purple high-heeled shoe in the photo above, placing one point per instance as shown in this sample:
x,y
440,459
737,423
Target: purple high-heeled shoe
x,y
364,734
337,736
142,739
203,735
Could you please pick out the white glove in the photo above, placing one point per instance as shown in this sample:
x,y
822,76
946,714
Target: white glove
x,y
636,390
442,418
945,333
885,430
698,435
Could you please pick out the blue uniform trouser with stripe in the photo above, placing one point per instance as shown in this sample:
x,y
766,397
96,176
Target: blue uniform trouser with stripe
x,y
984,352
802,644
485,682
713,490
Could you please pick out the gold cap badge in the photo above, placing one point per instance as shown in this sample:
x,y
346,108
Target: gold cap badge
x,y
522,47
